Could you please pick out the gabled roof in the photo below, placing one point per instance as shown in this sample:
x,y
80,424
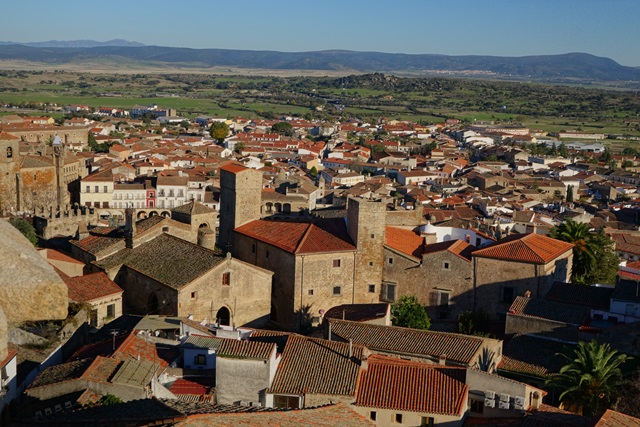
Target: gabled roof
x,y
315,366
324,235
234,168
193,208
394,384
457,347
91,287
405,241
612,418
238,349
528,248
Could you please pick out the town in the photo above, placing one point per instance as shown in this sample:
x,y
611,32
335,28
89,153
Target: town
x,y
161,269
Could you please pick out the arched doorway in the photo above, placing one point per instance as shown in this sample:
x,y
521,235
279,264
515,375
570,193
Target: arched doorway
x,y
142,215
223,317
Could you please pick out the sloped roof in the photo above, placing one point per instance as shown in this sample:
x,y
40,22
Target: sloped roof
x,y
456,247
91,287
400,385
234,168
324,235
193,208
168,260
549,310
456,347
531,355
315,366
528,248
358,312
405,241
612,418
246,349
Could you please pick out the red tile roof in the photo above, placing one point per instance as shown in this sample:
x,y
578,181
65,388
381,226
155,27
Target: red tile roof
x,y
245,349
456,247
314,366
234,168
529,248
612,418
400,385
91,287
326,235
405,241
456,347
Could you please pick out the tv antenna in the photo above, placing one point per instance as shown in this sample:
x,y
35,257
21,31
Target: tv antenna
x,y
114,332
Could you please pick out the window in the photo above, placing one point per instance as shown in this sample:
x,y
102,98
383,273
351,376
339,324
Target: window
x,y
88,189
370,264
105,188
35,177
398,418
200,359
427,421
337,290
310,292
280,401
388,292
477,406
111,311
336,263
507,294
165,229
443,299
9,152
253,248
372,415
372,288
390,260
96,189
266,255
446,266
194,295
373,236
226,279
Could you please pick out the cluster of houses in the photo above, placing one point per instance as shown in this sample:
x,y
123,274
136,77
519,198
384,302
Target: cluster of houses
x,y
250,275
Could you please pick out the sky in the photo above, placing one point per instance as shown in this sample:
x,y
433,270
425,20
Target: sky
x,y
607,28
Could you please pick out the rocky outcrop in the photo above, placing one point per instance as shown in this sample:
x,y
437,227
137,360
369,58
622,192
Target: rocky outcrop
x,y
29,287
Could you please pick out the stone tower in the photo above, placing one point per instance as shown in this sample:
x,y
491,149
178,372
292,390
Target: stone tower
x,y
62,194
366,227
240,200
9,170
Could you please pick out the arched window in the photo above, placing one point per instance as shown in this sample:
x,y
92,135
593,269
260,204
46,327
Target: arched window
x,y
224,316
9,152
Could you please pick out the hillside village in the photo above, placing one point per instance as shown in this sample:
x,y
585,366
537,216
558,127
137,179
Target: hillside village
x,y
250,277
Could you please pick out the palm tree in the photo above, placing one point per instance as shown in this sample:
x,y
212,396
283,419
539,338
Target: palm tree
x,y
590,378
583,246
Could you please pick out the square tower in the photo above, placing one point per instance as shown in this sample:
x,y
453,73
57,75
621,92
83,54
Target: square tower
x,y
9,170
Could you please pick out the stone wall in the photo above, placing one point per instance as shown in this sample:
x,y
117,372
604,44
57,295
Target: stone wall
x,y
241,380
240,195
247,297
543,327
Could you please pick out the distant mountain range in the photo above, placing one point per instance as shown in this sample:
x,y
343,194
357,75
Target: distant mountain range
x,y
565,67
77,43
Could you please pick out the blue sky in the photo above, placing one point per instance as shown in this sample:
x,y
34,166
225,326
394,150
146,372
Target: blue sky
x,y
459,27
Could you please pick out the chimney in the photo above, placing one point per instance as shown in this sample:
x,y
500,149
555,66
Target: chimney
x,y
350,348
442,360
527,294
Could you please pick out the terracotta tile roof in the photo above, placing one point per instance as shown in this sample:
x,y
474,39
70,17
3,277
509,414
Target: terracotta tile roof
x,y
35,162
98,369
456,247
193,208
409,386
137,347
95,244
596,297
234,168
529,248
246,349
531,355
101,369
314,366
550,310
358,312
457,347
204,415
612,418
4,136
627,243
405,241
323,235
200,341
195,386
52,254
91,287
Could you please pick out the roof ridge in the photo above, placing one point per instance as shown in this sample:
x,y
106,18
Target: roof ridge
x,y
304,237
